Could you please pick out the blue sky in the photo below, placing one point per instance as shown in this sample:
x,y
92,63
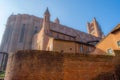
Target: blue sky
x,y
73,13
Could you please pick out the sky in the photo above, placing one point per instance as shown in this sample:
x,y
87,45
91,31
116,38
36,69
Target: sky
x,y
73,13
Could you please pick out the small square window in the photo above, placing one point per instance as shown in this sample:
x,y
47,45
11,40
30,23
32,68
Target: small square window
x,y
110,51
118,43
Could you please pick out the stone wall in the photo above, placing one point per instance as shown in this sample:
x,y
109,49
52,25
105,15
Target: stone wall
x,y
43,65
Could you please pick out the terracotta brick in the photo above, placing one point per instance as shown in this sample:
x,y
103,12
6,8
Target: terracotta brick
x,y
43,65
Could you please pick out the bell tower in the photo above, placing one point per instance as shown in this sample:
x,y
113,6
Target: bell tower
x,y
95,29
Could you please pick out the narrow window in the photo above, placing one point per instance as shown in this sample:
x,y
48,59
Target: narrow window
x,y
35,31
110,51
81,48
22,33
89,49
7,34
118,43
57,35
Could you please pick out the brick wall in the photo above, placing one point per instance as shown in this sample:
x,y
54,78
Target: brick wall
x,y
42,65
86,67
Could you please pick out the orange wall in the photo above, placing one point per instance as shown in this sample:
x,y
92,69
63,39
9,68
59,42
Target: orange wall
x,y
67,45
117,38
109,42
64,45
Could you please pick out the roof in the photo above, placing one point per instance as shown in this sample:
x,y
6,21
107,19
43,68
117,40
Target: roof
x,y
78,35
117,28
62,29
74,41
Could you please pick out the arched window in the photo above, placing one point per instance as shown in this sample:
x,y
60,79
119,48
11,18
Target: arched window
x,y
22,33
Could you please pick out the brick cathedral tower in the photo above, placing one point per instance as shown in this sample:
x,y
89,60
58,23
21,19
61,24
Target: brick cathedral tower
x,y
95,29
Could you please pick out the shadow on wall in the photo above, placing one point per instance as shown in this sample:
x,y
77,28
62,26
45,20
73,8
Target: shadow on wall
x,y
98,52
117,64
105,76
115,75
109,75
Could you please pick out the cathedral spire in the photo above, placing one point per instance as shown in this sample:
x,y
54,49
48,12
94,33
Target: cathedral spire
x,y
47,16
46,21
94,19
47,12
57,21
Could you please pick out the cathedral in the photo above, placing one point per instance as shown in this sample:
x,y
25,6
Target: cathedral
x,y
28,32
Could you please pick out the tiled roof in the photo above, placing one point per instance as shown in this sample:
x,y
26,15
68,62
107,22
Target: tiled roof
x,y
79,35
116,28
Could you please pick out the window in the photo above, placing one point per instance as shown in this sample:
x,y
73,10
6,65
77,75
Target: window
x,y
118,43
110,51
35,31
81,48
70,49
57,35
89,48
7,34
22,33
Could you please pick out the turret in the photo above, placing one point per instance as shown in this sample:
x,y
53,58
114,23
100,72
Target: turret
x,y
57,21
47,15
46,21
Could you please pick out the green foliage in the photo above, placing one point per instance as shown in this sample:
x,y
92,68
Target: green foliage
x,y
2,74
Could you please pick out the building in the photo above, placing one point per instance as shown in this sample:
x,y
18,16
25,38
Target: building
x,y
111,42
27,32
95,29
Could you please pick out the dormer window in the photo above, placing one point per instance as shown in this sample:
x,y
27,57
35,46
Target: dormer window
x,y
118,43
